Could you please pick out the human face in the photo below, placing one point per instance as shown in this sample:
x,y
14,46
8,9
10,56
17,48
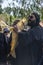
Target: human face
x,y
32,20
32,17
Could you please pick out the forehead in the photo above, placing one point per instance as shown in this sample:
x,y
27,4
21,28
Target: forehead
x,y
32,15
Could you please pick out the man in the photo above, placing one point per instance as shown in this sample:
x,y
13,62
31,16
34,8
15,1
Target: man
x,y
3,55
29,49
6,32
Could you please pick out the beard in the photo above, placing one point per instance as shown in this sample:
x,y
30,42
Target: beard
x,y
32,23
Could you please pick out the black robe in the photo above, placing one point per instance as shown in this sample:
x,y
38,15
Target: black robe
x,y
3,48
29,49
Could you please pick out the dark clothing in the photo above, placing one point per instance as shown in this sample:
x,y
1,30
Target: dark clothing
x,y
2,47
8,44
29,49
41,61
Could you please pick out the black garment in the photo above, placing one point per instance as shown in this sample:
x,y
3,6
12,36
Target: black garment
x,y
2,47
8,47
41,61
8,43
11,60
29,49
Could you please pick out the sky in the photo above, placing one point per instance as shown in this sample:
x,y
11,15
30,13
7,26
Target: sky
x,y
5,3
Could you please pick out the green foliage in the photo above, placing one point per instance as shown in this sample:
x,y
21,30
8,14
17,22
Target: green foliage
x,y
8,10
42,13
1,9
23,9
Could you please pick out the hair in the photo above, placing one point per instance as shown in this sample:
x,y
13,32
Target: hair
x,y
15,22
37,17
0,28
6,30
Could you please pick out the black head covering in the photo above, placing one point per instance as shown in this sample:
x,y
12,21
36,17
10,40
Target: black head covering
x,y
37,17
35,23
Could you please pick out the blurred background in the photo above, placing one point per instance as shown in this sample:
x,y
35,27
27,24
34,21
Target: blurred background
x,y
18,9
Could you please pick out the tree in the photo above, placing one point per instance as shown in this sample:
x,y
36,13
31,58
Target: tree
x,y
1,1
8,10
1,10
23,8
